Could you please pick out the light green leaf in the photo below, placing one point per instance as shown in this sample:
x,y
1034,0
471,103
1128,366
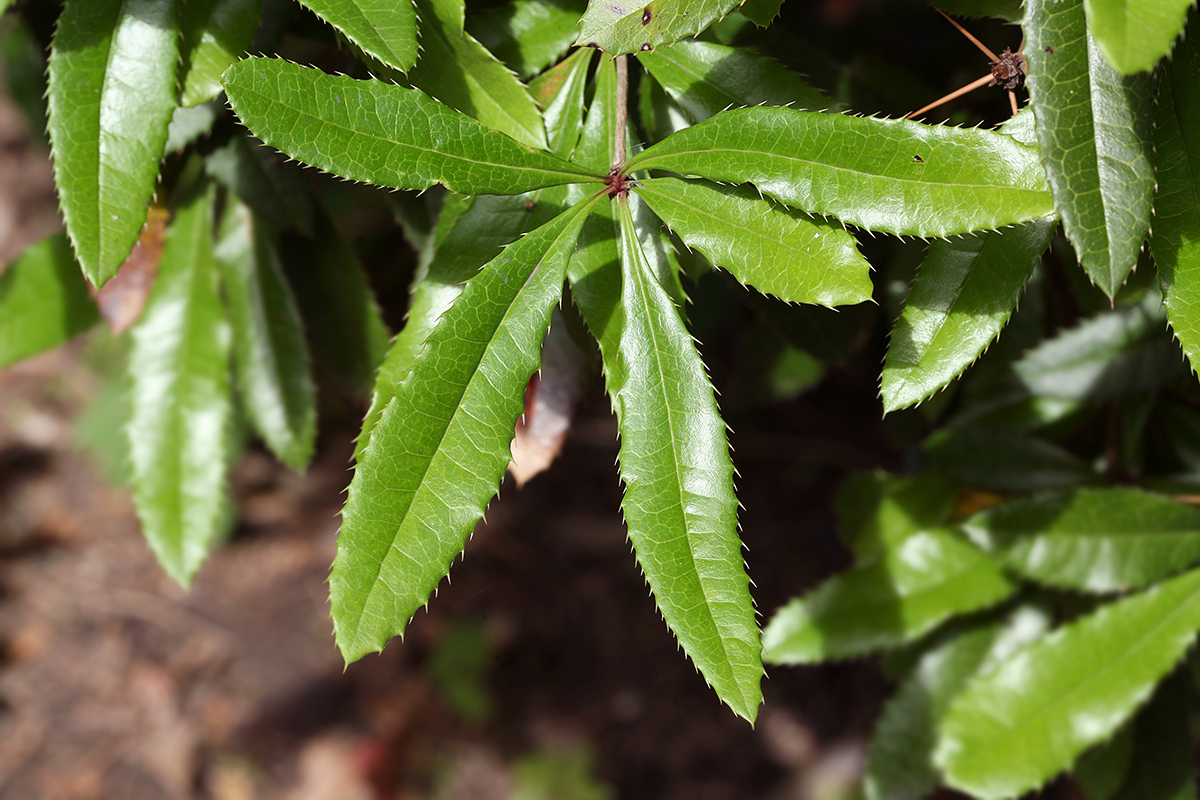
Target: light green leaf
x,y
706,78
622,27
919,180
43,301
528,35
963,295
437,455
380,133
275,190
383,29
1176,240
877,512
1005,460
561,91
1135,34
1094,130
1096,540
461,73
777,250
189,124
1030,718
112,91
180,401
928,578
273,368
216,33
679,501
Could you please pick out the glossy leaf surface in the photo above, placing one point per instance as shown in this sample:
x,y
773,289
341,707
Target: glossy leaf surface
x,y
527,35
624,27
436,457
216,33
477,84
1099,540
180,401
930,577
679,502
112,91
877,512
777,250
919,180
962,298
384,134
383,29
43,301
1094,130
273,367
1016,727
1135,34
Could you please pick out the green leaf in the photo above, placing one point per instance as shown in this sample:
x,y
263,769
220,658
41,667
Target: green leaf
x,y
1009,10
760,12
963,296
1176,239
273,368
706,78
275,190
919,180
180,400
43,301
679,501
189,124
877,512
1135,34
776,250
461,73
216,33
438,452
928,578
383,29
1094,129
384,134
1096,540
1161,765
622,27
1030,718
561,91
112,91
1005,460
528,35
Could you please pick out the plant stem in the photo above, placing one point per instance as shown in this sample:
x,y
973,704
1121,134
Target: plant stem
x,y
621,116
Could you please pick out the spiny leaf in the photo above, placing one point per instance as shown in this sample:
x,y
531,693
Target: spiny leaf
x,y
180,402
383,29
679,501
437,455
273,368
919,180
216,33
1094,129
963,296
619,26
1135,34
43,301
1097,540
112,90
461,73
1030,718
384,134
928,578
775,249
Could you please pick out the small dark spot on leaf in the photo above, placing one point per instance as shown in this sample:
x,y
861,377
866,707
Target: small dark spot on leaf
x,y
593,44
647,47
529,205
1049,49
646,16
918,159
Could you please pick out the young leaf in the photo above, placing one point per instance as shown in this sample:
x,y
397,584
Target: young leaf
x,y
776,250
1176,240
527,35
215,34
383,29
461,73
1005,460
916,586
706,78
112,91
624,27
437,454
1134,35
1094,129
43,301
1015,727
384,134
273,368
679,501
180,402
1096,540
962,297
919,180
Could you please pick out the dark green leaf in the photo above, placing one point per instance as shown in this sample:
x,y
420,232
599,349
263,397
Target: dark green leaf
x,y
1009,10
760,12
1161,764
112,90
1005,460
1134,35
383,29
275,190
216,33
528,35
43,301
877,512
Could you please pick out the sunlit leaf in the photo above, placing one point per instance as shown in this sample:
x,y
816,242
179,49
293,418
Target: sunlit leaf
x,y
216,33
561,91
383,29
877,512
622,27
1135,34
43,300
